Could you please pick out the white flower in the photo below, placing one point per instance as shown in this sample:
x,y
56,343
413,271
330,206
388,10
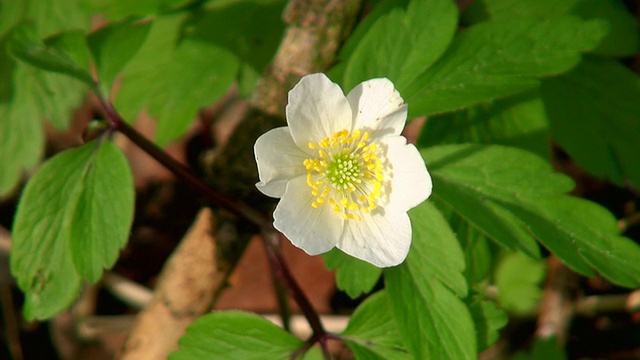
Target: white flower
x,y
345,175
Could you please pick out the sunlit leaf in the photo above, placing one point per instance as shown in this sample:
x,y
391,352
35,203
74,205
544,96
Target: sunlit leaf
x,y
496,59
235,335
372,332
60,203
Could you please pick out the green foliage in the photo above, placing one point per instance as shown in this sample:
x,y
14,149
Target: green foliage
x,y
599,126
113,46
235,335
543,349
496,59
425,290
119,9
418,40
488,320
158,80
372,332
622,36
519,121
65,54
354,276
518,279
513,196
73,218
21,130
515,75
28,94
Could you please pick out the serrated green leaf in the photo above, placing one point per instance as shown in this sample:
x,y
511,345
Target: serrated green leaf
x,y
372,332
421,33
432,320
104,213
53,16
441,257
62,54
353,276
518,278
488,321
235,335
257,25
477,253
523,191
594,112
519,121
21,129
496,59
622,28
46,222
119,9
483,10
40,254
623,38
113,46
173,94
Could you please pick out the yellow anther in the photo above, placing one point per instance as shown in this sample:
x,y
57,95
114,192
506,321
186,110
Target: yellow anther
x,y
346,173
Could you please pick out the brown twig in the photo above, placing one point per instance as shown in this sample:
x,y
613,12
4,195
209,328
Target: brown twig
x,y
557,307
189,282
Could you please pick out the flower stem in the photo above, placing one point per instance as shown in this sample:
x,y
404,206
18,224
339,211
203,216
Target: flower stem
x,y
183,173
282,272
269,234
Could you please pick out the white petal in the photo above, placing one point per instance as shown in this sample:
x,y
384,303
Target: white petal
x,y
317,109
377,105
411,183
382,240
315,231
279,160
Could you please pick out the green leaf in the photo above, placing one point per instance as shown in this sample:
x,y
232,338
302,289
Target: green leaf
x,y
354,276
519,121
21,129
521,191
435,245
158,79
372,332
235,335
496,59
483,10
421,33
53,16
621,38
423,290
119,9
113,46
64,54
519,278
60,68
488,321
598,127
543,349
258,30
54,200
104,213
477,253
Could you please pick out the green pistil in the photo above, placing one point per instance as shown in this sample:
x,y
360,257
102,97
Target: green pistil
x,y
343,171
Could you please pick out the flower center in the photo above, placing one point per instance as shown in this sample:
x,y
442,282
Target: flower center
x,y
346,173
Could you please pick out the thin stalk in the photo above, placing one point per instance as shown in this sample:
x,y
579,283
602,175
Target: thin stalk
x,y
269,233
183,173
